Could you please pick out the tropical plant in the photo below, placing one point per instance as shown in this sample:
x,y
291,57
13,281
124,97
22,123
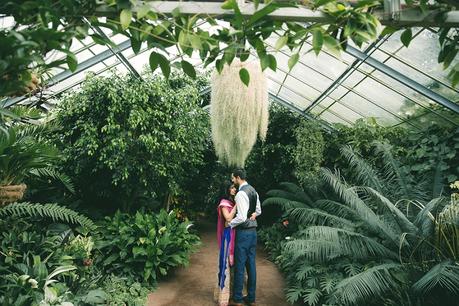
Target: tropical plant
x,y
239,111
49,210
357,246
22,153
125,140
144,246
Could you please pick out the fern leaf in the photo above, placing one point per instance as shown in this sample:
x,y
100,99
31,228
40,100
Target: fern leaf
x,y
283,203
444,274
373,282
366,174
50,210
320,243
53,174
351,198
312,216
399,216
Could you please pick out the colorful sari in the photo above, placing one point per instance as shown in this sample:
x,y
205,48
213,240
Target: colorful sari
x,y
225,237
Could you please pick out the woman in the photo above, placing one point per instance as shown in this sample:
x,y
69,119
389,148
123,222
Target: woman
x,y
225,237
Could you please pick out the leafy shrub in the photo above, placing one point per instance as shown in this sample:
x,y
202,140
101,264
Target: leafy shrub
x,y
144,245
40,263
125,140
121,291
308,152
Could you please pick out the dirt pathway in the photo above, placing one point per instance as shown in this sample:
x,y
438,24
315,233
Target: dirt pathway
x,y
194,284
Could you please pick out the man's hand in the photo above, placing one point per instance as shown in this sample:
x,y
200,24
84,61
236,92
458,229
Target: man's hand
x,y
253,216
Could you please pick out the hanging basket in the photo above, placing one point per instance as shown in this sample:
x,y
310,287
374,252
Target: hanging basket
x,y
11,193
238,112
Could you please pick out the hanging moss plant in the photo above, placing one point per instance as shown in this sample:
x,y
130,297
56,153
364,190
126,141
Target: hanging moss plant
x,y
238,112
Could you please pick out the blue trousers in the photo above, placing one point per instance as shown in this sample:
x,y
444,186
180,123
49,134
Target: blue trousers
x,y
244,257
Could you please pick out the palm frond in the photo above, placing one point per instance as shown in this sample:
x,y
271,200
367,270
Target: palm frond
x,y
425,220
366,174
322,243
283,203
351,198
444,275
337,208
299,193
312,216
65,180
395,170
399,217
373,282
50,210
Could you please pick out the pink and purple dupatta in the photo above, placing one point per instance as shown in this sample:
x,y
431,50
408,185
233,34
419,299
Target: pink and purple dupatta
x,y
225,204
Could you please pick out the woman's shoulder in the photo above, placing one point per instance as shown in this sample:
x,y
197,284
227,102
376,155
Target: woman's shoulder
x,y
225,202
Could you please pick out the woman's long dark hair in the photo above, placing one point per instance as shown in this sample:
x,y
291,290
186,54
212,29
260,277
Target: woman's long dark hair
x,y
225,191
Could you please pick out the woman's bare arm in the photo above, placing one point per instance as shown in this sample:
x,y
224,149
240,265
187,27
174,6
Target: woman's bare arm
x,y
228,215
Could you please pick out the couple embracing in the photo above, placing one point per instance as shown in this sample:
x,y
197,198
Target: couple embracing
x,y
238,208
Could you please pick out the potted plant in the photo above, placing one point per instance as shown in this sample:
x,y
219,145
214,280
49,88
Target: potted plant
x,y
21,153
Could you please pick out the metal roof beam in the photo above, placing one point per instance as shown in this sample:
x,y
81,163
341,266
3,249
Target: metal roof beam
x,y
406,17
81,67
394,74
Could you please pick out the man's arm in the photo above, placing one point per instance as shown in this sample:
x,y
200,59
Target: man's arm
x,y
242,204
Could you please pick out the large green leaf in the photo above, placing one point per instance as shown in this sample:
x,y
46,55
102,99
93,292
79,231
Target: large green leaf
x,y
188,69
125,18
244,76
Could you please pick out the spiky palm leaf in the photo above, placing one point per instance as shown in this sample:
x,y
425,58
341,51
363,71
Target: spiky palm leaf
x,y
338,209
303,215
352,199
366,174
296,191
283,203
21,152
399,217
65,180
425,219
372,282
50,210
444,275
320,243
400,176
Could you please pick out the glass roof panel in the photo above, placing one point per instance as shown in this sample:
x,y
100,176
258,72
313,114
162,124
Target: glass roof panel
x,y
294,98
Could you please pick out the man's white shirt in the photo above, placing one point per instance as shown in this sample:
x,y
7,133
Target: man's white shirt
x,y
243,205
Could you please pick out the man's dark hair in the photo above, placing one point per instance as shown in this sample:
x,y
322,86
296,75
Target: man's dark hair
x,y
239,172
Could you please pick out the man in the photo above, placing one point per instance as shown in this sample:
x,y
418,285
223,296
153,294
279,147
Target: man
x,y
245,223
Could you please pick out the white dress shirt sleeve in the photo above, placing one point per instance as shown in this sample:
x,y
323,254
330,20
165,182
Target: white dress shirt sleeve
x,y
242,205
258,208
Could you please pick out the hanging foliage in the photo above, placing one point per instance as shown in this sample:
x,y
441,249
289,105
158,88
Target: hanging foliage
x,y
238,111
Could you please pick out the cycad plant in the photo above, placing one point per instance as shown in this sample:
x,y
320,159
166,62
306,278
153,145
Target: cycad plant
x,y
21,153
372,244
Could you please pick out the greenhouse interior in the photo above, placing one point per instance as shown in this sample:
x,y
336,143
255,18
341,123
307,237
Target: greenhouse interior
x,y
285,152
